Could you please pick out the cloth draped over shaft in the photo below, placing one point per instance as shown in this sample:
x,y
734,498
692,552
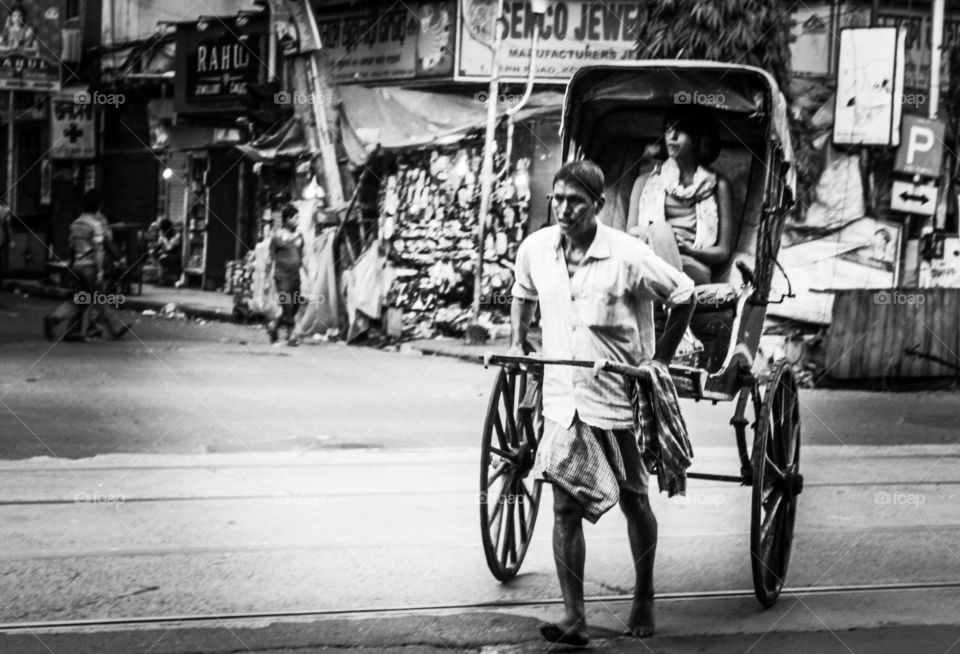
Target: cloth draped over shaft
x,y
661,431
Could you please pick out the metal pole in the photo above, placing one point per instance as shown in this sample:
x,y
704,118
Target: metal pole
x,y
11,162
936,54
486,172
331,171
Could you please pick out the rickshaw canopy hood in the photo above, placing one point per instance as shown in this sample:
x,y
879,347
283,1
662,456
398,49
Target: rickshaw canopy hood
x,y
670,82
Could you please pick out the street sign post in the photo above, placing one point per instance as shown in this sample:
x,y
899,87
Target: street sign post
x,y
920,199
921,147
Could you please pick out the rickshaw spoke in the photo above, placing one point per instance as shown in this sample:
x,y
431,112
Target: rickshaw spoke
x,y
521,512
511,419
501,437
508,537
500,471
769,520
506,456
773,467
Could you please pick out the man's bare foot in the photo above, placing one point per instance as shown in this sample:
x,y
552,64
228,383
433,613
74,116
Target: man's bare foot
x,y
641,619
565,634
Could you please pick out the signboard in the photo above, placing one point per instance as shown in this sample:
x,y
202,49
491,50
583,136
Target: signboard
x,y
916,24
921,147
919,199
869,87
409,40
217,60
30,45
812,39
573,33
72,126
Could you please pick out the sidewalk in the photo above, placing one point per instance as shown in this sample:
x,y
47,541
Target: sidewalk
x,y
193,303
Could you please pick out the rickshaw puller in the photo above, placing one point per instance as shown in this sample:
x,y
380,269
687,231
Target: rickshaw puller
x,y
596,287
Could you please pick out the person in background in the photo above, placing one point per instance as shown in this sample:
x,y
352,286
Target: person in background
x,y
86,270
167,252
102,319
286,257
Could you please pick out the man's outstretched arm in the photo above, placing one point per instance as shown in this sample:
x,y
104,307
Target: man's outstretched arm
x,y
677,322
521,315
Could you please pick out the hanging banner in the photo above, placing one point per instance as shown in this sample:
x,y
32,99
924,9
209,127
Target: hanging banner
x,y
869,87
572,34
73,125
30,45
916,23
410,40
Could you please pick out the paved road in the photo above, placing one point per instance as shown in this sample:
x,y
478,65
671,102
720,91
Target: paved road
x,y
180,386
195,469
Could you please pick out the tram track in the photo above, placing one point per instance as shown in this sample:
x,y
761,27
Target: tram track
x,y
361,612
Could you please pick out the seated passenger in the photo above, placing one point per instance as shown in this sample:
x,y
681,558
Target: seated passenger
x,y
682,209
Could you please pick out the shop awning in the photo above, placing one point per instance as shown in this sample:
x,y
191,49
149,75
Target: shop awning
x,y
390,118
286,141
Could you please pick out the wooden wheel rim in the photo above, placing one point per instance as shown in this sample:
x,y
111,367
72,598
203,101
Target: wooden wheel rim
x,y
776,484
509,498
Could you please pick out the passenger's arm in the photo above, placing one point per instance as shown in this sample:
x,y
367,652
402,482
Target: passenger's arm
x,y
719,253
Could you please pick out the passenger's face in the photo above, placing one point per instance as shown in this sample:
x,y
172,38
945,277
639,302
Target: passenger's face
x,y
680,144
574,209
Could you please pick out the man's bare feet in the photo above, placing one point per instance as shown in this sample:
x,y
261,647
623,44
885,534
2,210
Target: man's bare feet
x,y
565,634
641,622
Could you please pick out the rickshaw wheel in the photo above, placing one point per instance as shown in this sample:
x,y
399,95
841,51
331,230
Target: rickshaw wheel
x,y
776,483
509,499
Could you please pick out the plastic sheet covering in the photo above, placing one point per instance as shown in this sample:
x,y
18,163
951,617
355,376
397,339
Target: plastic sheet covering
x,y
366,285
264,300
839,192
319,286
390,119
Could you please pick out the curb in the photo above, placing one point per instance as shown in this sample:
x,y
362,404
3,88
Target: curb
x,y
132,304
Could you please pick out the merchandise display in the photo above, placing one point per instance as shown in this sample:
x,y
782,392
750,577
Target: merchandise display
x,y
428,216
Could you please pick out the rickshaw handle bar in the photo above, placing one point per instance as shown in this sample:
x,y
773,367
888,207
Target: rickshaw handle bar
x,y
601,365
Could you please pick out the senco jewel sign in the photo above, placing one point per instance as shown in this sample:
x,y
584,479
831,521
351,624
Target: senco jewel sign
x,y
217,59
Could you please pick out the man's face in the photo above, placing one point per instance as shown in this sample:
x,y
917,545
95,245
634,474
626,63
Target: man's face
x,y
575,211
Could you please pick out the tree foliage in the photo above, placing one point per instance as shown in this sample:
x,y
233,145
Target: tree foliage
x,y
752,32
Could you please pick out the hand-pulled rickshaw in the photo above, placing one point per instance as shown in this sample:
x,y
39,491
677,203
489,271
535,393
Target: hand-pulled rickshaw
x,y
611,114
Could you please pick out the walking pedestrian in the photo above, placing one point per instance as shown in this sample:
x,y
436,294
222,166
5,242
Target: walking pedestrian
x,y
87,267
596,287
286,256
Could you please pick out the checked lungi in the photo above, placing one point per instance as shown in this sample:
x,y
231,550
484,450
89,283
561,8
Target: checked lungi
x,y
591,464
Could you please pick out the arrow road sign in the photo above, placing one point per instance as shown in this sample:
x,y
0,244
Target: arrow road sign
x,y
914,198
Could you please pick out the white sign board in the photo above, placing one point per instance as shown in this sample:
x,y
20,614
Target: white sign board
x,y
572,34
921,147
919,199
869,87
72,126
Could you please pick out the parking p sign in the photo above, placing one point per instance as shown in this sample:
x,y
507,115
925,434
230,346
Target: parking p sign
x,y
921,147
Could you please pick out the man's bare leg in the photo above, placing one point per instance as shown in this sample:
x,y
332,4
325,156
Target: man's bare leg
x,y
569,553
642,529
